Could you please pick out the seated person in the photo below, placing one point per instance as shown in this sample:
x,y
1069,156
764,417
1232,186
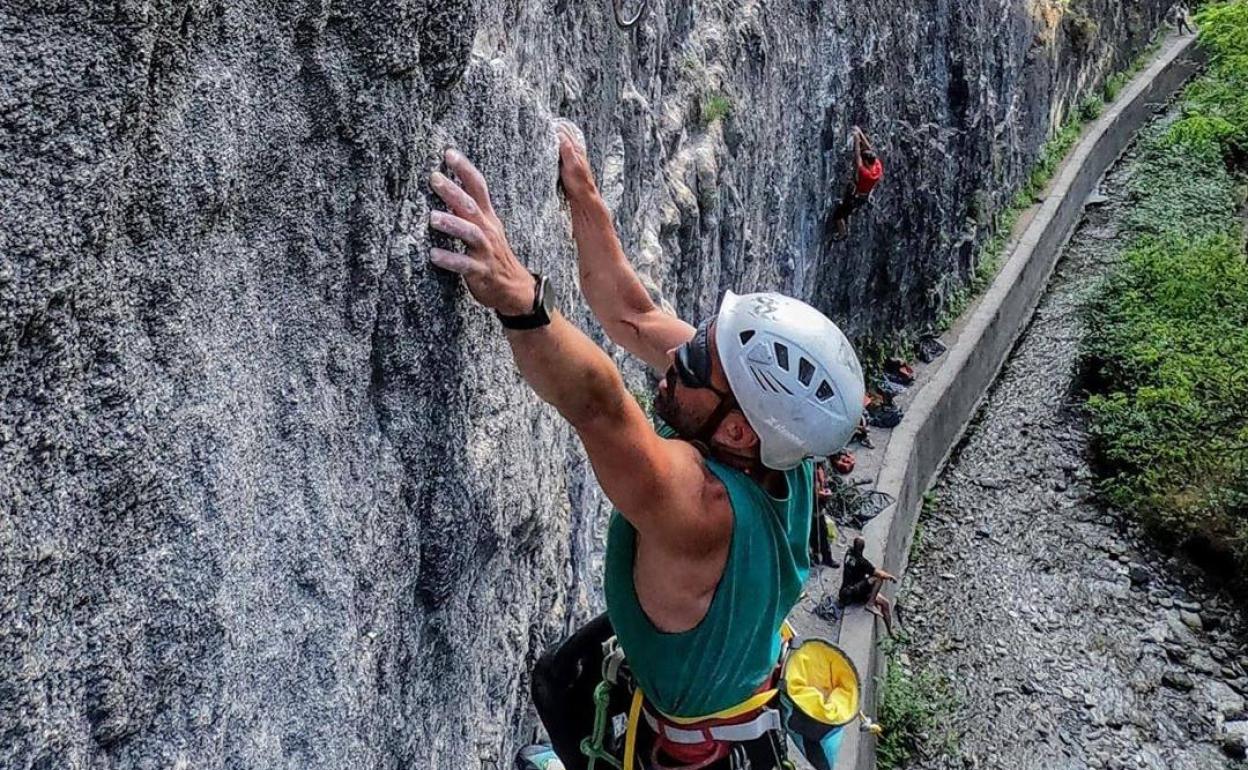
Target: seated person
x,y
861,583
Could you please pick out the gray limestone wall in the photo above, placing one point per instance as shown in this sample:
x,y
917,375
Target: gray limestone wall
x,y
271,493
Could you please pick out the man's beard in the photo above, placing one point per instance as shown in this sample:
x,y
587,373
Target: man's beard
x,y
669,411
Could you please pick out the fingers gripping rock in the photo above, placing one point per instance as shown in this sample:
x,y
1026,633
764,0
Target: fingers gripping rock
x,y
573,130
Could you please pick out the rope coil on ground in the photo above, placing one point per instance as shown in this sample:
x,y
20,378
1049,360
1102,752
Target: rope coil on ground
x,y
848,505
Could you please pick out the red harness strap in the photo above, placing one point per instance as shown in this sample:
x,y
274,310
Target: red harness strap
x,y
695,756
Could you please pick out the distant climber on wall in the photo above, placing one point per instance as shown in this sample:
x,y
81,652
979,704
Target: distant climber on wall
x,y
868,170
861,583
707,548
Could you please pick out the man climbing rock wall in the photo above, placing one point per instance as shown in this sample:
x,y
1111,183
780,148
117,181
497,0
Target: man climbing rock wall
x,y
271,494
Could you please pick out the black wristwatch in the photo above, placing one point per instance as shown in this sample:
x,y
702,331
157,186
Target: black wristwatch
x,y
543,307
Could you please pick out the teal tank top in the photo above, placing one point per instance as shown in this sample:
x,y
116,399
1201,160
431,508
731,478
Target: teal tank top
x,y
725,658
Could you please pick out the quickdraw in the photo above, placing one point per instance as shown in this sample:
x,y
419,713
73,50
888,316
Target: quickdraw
x,y
592,747
621,20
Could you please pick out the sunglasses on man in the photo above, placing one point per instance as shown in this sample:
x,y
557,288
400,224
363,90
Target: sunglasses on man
x,y
691,367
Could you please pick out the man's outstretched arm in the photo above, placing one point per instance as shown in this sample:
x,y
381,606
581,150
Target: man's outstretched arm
x,y
647,478
614,292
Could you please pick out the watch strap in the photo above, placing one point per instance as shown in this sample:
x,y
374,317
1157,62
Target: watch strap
x,y
537,317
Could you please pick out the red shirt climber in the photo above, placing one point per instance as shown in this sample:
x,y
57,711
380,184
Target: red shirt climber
x,y
868,172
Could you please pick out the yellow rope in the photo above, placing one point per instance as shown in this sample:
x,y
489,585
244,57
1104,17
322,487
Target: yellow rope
x,y
630,738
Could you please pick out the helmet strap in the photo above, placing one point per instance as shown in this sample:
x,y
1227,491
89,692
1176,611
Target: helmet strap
x,y
704,433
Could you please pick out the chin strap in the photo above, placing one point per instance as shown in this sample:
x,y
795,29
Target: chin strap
x,y
702,436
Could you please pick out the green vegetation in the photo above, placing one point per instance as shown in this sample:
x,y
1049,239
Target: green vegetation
x,y
1117,81
715,107
912,708
930,502
1082,28
992,254
1114,84
1168,362
916,544
1216,105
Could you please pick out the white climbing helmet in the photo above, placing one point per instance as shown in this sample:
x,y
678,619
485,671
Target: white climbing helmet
x,y
793,373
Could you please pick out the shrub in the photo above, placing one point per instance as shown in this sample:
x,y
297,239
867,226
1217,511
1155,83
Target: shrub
x,y
1090,108
1171,428
715,107
1083,30
1114,84
912,708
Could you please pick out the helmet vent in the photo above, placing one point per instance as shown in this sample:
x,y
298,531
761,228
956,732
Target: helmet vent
x,y
805,371
746,336
776,385
782,356
824,392
768,382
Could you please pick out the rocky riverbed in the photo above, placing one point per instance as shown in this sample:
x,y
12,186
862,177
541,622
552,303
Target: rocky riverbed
x,y
1066,640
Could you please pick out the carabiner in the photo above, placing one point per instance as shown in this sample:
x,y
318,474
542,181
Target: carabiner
x,y
628,23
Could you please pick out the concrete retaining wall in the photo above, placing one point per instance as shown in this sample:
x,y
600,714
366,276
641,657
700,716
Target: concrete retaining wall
x,y
941,410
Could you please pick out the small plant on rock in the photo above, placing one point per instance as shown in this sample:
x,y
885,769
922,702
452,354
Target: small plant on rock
x,y
715,107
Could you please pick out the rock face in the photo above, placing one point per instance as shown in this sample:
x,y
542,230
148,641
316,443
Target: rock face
x,y
272,492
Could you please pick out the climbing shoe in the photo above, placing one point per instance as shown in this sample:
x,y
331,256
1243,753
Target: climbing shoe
x,y
538,757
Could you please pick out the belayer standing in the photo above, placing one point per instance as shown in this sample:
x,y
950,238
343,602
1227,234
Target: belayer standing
x,y
1181,18
707,547
868,170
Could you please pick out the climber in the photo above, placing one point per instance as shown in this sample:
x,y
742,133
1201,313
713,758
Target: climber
x,y
707,547
861,583
868,170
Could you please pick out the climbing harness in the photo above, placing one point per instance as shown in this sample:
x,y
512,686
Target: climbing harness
x,y
828,609
813,696
625,20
